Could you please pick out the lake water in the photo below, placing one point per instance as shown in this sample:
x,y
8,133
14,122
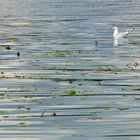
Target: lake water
x,y
61,77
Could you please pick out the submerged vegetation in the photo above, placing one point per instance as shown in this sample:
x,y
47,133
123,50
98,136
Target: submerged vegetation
x,y
60,75
72,92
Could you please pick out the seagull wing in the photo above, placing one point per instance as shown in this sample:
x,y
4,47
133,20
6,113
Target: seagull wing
x,y
124,34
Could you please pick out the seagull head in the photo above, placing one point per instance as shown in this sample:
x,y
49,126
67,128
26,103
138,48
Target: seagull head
x,y
115,28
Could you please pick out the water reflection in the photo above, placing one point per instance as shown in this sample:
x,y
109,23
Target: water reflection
x,y
115,42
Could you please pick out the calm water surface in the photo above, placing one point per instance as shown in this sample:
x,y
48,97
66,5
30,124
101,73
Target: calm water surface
x,y
69,81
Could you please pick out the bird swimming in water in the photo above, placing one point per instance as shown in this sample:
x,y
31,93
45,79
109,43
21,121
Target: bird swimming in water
x,y
117,35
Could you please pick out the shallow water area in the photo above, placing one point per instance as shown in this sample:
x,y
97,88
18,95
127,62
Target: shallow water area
x,y
61,77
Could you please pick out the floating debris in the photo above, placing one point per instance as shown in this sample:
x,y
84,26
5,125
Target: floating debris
x,y
23,124
18,54
54,114
80,84
23,107
133,64
7,47
4,75
96,43
136,64
42,115
125,108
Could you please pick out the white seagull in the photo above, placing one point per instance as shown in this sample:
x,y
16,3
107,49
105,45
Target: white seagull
x,y
117,35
